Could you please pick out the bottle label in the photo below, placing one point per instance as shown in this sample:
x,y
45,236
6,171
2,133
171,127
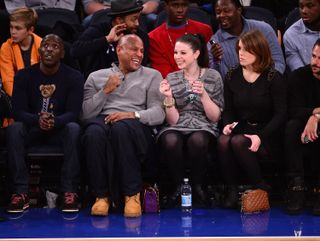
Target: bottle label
x,y
186,200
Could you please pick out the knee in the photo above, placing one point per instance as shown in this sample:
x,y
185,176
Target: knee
x,y
223,143
93,133
170,141
72,129
239,142
14,130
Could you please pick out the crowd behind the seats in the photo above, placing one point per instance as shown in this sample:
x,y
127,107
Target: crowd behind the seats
x,y
160,101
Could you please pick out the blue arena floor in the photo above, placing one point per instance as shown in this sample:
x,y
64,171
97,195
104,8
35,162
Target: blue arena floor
x,y
51,223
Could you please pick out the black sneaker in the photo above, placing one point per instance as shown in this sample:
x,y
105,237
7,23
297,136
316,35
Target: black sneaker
x,y
70,202
18,203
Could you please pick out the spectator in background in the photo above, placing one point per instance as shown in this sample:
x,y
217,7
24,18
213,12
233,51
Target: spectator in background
x,y
298,40
46,101
91,6
98,42
120,106
254,114
12,5
302,132
163,38
222,54
193,104
21,50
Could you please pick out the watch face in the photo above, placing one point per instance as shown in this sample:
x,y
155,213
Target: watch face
x,y
137,115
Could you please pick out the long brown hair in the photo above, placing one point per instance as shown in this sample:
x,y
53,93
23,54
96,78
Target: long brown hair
x,y
255,43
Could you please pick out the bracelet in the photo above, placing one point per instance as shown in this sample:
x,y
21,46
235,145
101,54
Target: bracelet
x,y
169,105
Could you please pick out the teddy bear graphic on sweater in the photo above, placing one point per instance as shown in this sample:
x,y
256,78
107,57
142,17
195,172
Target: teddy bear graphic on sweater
x,y
46,92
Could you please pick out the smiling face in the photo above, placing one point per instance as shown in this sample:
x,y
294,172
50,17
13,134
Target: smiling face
x,y
246,58
184,55
177,11
130,53
51,50
310,11
227,14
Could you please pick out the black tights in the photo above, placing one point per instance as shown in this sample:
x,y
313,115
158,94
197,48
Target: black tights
x,y
178,148
234,153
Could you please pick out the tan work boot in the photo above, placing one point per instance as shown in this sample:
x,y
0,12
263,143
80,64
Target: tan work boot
x,y
132,206
101,207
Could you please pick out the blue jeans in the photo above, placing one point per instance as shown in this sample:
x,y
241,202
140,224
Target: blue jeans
x,y
19,137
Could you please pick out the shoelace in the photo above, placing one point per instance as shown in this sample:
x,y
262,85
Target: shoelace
x,y
17,198
69,197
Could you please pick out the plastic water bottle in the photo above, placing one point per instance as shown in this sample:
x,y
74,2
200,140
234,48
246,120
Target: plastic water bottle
x,y
186,196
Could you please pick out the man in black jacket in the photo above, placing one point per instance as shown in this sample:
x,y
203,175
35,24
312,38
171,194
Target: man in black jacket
x,y
302,131
98,42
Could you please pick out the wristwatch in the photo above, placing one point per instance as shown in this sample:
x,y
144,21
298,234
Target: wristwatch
x,y
137,115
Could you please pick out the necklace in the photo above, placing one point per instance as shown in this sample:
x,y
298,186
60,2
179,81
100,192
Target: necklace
x,y
191,96
169,37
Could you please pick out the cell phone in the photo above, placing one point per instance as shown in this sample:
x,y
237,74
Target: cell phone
x,y
234,124
212,42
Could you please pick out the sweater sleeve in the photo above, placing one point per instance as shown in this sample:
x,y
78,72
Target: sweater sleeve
x,y
7,68
297,99
91,41
154,114
21,111
279,99
73,101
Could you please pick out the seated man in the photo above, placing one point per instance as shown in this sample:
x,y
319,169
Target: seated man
x,y
302,130
120,104
47,100
163,38
98,42
222,52
300,37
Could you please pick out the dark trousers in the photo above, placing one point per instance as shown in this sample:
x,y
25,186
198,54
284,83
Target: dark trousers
x,y
19,137
114,153
296,151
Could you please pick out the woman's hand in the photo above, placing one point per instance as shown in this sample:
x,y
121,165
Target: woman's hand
x,y
165,88
255,142
197,87
227,130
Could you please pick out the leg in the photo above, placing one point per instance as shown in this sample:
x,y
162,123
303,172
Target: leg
x,y
15,139
171,143
95,142
130,142
197,153
228,169
247,159
70,172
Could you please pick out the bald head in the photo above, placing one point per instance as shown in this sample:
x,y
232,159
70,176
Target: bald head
x,y
54,38
130,52
129,39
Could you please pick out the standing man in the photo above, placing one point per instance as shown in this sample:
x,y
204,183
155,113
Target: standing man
x,y
98,42
120,106
47,100
163,38
302,131
300,37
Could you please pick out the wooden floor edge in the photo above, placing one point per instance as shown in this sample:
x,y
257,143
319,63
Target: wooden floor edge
x,y
175,239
